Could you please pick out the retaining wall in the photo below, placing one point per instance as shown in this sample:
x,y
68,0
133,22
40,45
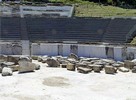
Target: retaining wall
x,y
24,47
83,50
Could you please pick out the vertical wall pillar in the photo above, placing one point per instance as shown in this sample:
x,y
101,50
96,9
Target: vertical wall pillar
x,y
66,49
60,49
26,47
0,48
0,36
35,49
0,28
118,53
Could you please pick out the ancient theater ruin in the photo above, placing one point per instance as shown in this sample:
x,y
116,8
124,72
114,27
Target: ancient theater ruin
x,y
46,53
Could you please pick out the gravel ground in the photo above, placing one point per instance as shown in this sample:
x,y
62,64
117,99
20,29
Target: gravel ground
x,y
60,84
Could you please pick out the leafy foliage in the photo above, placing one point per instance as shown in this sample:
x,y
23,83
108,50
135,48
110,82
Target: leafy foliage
x,y
117,2
122,3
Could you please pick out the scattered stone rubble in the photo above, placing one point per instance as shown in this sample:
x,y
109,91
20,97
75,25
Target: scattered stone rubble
x,y
13,63
87,65
23,64
110,69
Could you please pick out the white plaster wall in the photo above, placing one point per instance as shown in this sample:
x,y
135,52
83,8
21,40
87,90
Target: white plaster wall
x,y
49,49
35,49
17,50
25,47
118,53
84,50
9,48
6,49
66,49
98,51
92,51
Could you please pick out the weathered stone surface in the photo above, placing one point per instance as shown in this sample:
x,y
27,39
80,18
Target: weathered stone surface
x,y
97,68
37,66
123,69
121,63
128,64
134,70
34,57
81,59
134,61
39,58
5,64
25,58
52,62
63,65
108,61
3,58
71,67
89,59
6,71
100,63
94,58
26,66
58,57
44,59
110,70
85,62
81,65
14,67
116,65
63,61
13,58
74,56
84,70
1,69
90,66
71,60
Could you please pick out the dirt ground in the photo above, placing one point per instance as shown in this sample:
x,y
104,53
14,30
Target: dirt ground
x,y
60,84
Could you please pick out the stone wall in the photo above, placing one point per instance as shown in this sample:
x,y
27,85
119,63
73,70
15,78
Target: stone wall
x,y
25,47
100,51
11,48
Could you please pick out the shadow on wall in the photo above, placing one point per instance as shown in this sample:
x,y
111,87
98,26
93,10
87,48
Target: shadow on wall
x,y
74,49
109,52
60,49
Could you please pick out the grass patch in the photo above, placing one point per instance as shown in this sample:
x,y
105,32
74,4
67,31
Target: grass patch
x,y
91,9
133,42
95,10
